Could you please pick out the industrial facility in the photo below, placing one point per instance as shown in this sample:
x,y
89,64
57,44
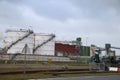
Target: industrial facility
x,y
21,44
37,43
34,46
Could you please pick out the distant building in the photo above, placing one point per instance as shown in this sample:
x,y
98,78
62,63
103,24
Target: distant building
x,y
66,50
66,42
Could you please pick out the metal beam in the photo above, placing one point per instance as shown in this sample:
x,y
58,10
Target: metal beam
x,y
115,47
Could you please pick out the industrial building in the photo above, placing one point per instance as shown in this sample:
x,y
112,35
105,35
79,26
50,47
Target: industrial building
x,y
24,44
39,46
38,43
15,41
44,44
66,50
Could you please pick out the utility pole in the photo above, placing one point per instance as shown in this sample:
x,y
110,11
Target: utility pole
x,y
25,51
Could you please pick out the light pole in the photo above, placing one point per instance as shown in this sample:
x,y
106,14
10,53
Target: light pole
x,y
25,51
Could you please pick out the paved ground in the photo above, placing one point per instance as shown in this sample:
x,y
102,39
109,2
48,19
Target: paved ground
x,y
85,78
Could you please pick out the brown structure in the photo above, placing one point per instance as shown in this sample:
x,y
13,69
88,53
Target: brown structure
x,y
66,50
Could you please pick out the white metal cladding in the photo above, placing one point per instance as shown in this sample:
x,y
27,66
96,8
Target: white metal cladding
x,y
46,49
14,35
17,48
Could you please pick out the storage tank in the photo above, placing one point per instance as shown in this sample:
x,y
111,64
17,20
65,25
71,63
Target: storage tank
x,y
84,51
92,50
16,39
44,44
112,53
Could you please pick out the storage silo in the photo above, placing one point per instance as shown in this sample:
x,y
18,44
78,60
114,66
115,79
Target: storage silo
x,y
92,50
84,51
44,44
111,53
16,39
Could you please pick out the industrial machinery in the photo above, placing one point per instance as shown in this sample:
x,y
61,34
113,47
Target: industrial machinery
x,y
110,57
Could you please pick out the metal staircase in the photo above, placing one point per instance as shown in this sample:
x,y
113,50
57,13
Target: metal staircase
x,y
43,43
7,48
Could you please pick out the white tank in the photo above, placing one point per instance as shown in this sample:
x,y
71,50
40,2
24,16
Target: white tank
x,y
111,53
47,42
92,51
21,37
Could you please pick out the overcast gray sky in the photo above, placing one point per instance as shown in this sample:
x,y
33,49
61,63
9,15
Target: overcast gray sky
x,y
96,21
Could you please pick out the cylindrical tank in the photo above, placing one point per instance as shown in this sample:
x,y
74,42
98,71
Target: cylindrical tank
x,y
92,50
46,49
13,35
112,53
84,51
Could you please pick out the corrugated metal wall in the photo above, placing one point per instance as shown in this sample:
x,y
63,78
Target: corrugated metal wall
x,y
46,49
32,41
84,51
14,35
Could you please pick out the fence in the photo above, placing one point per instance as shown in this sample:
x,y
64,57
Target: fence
x,y
97,67
30,57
